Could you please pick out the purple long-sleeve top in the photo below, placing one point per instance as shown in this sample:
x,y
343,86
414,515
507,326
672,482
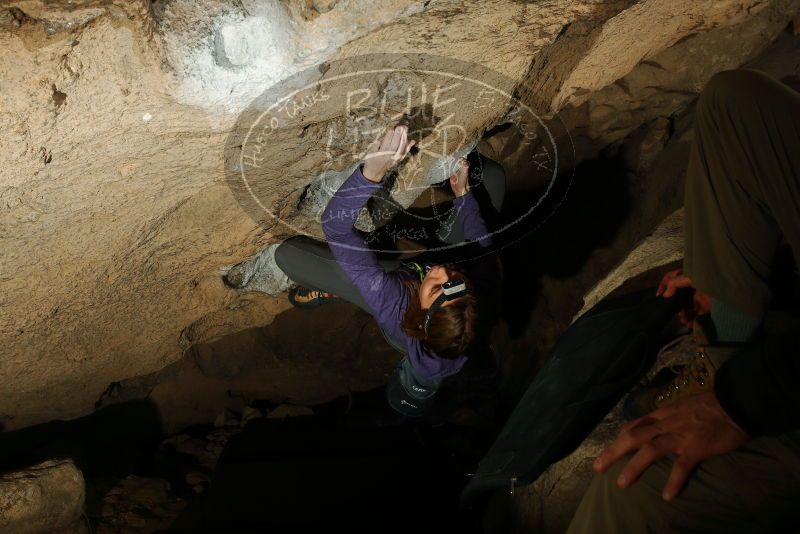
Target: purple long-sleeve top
x,y
384,292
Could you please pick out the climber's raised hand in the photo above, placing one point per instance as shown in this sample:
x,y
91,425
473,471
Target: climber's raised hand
x,y
459,181
384,154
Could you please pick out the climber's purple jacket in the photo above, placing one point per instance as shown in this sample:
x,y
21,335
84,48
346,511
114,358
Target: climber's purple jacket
x,y
384,292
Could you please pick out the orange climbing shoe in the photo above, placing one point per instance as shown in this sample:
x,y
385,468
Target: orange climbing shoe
x,y
302,297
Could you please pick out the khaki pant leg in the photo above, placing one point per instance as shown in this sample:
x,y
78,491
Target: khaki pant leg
x,y
747,490
742,186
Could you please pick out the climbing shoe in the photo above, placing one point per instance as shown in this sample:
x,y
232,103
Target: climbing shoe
x,y
302,297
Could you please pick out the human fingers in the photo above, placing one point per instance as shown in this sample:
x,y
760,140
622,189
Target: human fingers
x,y
409,146
373,148
702,303
627,440
463,168
458,177
662,286
405,145
675,284
630,425
386,142
400,150
646,455
668,416
681,468
397,139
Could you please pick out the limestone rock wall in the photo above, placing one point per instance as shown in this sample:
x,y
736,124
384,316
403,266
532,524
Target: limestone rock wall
x,y
116,224
46,497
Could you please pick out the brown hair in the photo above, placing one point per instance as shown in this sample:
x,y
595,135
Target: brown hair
x,y
451,328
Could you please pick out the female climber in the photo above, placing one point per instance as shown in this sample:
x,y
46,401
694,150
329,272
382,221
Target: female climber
x,y
428,309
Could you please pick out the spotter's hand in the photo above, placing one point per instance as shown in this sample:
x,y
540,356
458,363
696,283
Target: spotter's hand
x,y
701,302
692,428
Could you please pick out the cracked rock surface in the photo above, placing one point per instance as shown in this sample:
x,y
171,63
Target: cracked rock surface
x,y
116,222
46,497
